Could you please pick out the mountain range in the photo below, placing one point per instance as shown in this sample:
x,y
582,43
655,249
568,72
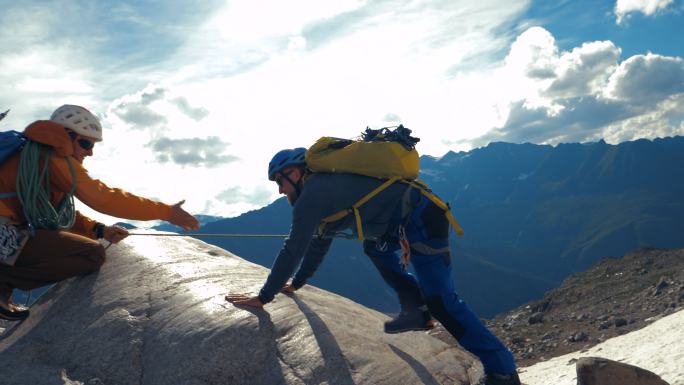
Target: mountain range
x,y
532,214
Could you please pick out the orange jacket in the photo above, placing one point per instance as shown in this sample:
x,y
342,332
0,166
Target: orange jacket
x,y
92,192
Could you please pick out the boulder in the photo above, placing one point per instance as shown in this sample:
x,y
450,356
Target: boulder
x,y
602,371
620,322
536,318
662,285
658,347
155,314
579,337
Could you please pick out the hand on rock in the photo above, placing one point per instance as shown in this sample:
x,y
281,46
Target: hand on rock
x,y
244,300
114,234
288,289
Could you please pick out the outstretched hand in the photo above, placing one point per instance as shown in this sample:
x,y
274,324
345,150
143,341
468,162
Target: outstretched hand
x,y
244,300
182,218
114,234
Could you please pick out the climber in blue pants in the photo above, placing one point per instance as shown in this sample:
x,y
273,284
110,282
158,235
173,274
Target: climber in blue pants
x,y
427,232
414,311
398,217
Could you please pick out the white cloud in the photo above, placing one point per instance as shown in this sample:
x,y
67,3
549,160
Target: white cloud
x,y
174,78
584,70
585,94
38,68
258,196
139,115
648,7
534,54
196,113
647,78
194,152
151,109
664,119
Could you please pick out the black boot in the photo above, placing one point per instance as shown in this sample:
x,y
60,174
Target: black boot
x,y
502,379
410,320
9,310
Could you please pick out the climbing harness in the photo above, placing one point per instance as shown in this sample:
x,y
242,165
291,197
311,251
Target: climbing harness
x,y
355,209
405,258
417,184
12,241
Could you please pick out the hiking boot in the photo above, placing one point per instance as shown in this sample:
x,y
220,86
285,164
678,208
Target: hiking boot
x,y
410,320
500,379
8,309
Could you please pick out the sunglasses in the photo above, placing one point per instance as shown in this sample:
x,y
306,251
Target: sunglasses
x,y
86,144
279,180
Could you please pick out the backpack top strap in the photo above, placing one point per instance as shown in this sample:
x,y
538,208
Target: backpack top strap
x,y
355,208
422,187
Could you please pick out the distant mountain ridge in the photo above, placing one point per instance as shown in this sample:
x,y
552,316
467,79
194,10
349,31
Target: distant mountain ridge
x,y
203,220
579,202
532,214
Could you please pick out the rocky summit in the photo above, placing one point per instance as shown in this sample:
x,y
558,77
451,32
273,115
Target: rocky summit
x,y
614,297
156,314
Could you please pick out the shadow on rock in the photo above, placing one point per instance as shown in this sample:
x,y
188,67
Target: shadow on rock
x,y
330,349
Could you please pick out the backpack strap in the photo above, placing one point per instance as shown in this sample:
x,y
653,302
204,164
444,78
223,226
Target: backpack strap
x,y
417,184
422,187
355,208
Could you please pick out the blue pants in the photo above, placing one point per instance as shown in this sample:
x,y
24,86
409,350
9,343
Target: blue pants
x,y
428,234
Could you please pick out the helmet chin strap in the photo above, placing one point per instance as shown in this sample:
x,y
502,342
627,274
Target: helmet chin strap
x,y
298,185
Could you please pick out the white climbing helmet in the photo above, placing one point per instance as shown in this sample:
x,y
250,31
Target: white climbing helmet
x,y
78,119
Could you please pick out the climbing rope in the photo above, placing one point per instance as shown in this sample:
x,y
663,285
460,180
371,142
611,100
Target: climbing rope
x,y
228,235
220,235
33,190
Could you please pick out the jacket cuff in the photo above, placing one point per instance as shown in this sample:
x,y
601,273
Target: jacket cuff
x,y
98,229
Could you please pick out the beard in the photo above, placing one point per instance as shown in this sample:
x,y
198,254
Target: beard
x,y
292,198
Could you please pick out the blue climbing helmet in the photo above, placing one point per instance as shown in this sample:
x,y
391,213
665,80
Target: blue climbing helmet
x,y
284,158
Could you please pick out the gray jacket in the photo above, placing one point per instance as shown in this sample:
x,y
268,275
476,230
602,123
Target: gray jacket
x,y
325,194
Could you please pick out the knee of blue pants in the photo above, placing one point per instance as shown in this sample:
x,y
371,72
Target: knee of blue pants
x,y
434,275
386,261
478,339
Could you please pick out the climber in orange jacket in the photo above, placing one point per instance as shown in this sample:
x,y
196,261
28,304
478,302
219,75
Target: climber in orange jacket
x,y
31,255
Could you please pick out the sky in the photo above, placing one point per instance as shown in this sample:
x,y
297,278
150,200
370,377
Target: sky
x,y
196,96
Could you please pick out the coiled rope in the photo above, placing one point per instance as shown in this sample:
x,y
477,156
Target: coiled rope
x,y
33,190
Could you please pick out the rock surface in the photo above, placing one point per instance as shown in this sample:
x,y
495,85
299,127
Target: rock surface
x,y
601,371
658,348
155,314
612,298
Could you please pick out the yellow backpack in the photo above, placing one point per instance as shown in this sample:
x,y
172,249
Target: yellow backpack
x,y
384,154
378,159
